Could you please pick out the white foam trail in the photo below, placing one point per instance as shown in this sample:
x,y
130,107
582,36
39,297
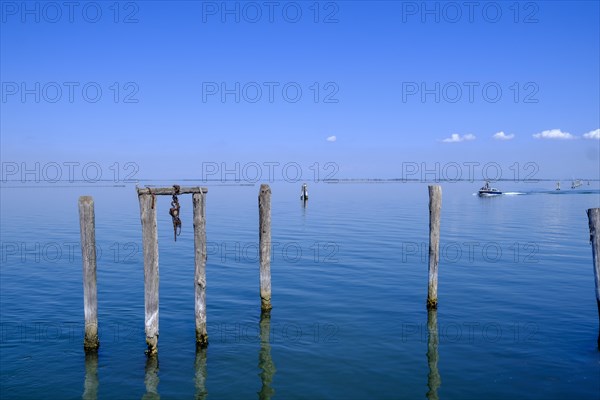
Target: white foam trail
x,y
514,193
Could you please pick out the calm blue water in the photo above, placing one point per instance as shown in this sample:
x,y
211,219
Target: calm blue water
x,y
517,315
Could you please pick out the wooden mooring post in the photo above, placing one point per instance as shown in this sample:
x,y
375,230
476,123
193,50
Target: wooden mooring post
x,y
264,233
435,206
594,223
150,250
198,200
147,198
87,226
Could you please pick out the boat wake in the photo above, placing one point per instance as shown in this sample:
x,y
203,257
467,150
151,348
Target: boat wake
x,y
551,192
500,194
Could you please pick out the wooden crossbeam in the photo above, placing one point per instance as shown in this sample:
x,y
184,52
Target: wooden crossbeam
x,y
169,190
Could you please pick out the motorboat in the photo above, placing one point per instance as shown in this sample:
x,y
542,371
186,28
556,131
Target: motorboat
x,y
487,190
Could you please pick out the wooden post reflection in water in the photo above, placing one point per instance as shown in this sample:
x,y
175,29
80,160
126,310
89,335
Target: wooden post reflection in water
x,y
151,377
265,363
200,377
433,378
90,386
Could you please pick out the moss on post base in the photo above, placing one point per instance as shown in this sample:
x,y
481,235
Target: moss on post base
x,y
91,343
152,343
201,340
265,304
432,304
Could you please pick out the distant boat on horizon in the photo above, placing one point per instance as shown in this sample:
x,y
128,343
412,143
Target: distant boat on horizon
x,y
487,190
576,183
557,185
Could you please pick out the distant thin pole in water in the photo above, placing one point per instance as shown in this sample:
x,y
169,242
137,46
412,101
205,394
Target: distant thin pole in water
x,y
435,206
87,225
594,222
264,232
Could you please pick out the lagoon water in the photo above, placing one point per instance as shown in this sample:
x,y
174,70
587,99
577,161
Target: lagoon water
x,y
517,315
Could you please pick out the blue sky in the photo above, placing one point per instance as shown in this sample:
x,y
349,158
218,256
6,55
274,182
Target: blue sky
x,y
162,68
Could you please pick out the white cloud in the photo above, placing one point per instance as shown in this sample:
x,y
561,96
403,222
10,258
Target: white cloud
x,y
503,136
331,138
455,138
592,135
553,134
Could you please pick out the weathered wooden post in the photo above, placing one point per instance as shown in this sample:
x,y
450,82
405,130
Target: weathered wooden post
x,y
594,222
88,252
433,378
150,249
198,200
435,206
264,213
